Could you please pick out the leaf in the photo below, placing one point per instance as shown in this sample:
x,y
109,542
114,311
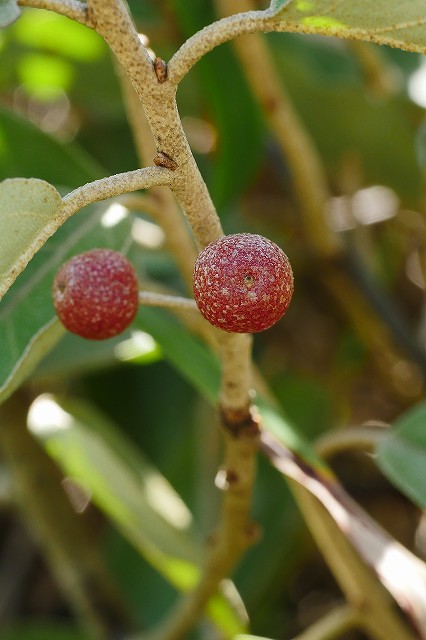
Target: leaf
x,y
28,151
28,329
346,122
73,356
192,359
295,458
129,490
399,570
202,369
28,208
277,5
9,12
41,632
398,24
402,455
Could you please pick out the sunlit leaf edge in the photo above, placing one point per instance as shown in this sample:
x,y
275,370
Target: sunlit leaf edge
x,y
317,17
180,572
21,196
401,455
40,344
400,461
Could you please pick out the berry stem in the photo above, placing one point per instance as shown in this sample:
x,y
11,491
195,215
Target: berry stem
x,y
152,299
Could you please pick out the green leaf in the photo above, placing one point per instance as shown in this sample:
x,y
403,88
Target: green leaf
x,y
74,356
28,329
129,490
202,369
277,5
27,151
346,122
192,358
402,455
9,12
66,38
398,24
45,76
28,208
41,632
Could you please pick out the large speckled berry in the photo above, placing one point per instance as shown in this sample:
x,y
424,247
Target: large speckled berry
x,y
95,294
243,283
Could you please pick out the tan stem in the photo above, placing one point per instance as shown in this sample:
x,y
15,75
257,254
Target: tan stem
x,y
234,534
212,36
167,213
113,23
235,352
70,8
112,186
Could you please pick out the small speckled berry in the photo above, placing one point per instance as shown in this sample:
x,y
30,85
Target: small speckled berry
x,y
243,283
96,294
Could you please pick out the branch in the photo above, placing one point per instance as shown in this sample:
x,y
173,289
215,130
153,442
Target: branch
x,y
165,211
113,23
234,534
70,8
376,613
234,401
235,531
212,36
112,186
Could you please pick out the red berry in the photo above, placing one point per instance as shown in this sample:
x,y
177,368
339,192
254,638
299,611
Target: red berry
x,y
96,294
243,283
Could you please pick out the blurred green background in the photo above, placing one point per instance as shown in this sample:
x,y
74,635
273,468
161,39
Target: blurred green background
x,y
62,120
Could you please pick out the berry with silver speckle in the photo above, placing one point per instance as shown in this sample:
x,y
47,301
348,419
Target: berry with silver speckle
x,y
243,283
96,294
